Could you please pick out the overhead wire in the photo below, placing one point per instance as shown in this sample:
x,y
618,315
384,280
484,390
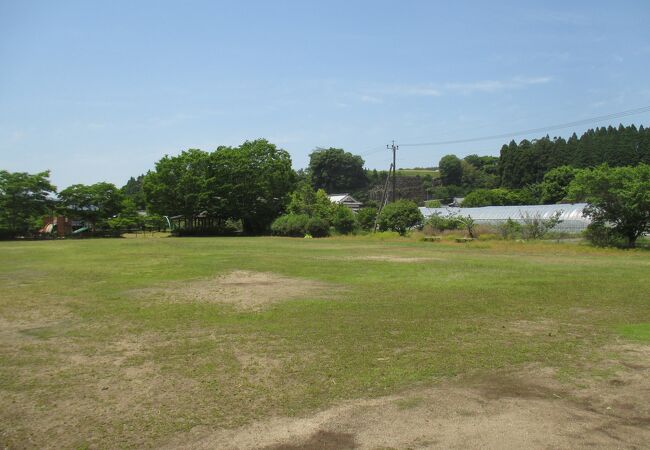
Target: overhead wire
x,y
629,112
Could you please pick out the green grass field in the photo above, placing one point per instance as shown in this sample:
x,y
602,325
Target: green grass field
x,y
418,172
121,343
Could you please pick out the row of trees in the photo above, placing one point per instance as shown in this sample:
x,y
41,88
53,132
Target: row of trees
x,y
527,162
253,184
249,184
25,199
524,167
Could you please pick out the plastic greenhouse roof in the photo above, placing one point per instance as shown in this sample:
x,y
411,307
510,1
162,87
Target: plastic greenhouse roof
x,y
569,212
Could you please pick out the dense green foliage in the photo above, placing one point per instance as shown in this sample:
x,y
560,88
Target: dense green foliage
x,y
128,218
451,170
318,227
498,197
294,225
315,206
299,225
534,226
618,197
400,216
253,184
538,171
554,187
527,162
94,204
305,200
319,211
437,222
343,219
458,176
366,218
24,199
250,183
133,190
336,171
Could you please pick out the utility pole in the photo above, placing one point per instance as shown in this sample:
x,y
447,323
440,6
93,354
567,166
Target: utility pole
x,y
394,148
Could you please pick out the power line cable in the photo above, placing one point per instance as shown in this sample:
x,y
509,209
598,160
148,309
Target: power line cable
x,y
629,112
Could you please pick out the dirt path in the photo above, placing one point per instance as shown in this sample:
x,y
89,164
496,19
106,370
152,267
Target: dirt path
x,y
528,409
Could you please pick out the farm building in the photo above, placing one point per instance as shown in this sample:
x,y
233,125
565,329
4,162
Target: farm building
x,y
572,220
345,199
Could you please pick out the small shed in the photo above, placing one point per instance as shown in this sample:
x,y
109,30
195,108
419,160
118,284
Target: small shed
x,y
346,200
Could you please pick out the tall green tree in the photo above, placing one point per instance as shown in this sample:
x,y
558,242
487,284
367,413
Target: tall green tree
x,y
451,170
250,183
24,199
400,216
133,190
305,200
256,179
336,170
527,162
556,183
181,185
95,203
618,197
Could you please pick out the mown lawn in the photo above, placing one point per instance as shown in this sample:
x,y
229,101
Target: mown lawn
x,y
91,354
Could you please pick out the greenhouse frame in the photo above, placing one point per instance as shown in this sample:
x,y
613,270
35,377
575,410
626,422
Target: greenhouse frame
x,y
571,216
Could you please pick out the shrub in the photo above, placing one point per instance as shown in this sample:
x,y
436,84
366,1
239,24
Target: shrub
x,y
433,204
510,229
290,225
318,227
400,216
440,223
470,225
366,218
343,219
122,223
601,235
535,227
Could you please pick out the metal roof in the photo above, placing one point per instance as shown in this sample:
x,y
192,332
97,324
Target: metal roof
x,y
338,198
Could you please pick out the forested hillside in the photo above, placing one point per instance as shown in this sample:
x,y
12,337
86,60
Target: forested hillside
x,y
526,163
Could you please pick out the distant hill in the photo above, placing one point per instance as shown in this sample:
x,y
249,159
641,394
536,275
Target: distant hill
x,y
433,173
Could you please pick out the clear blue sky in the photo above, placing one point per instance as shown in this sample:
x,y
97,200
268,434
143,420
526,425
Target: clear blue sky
x,y
101,90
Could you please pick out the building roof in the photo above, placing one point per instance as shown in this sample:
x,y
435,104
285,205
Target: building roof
x,y
339,198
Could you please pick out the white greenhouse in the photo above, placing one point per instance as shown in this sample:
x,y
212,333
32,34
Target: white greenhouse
x,y
572,220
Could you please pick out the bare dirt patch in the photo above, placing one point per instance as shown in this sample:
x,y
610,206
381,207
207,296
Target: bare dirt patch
x,y
88,388
534,328
525,409
321,440
242,289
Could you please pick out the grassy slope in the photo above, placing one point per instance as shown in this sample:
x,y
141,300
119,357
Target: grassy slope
x,y
396,325
421,172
